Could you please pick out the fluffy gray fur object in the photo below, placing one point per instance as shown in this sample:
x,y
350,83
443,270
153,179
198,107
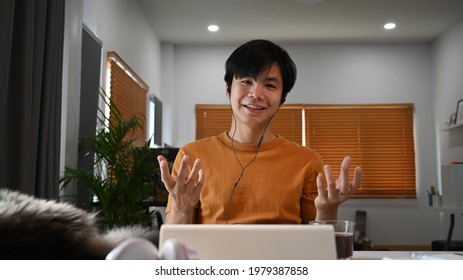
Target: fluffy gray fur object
x,y
32,228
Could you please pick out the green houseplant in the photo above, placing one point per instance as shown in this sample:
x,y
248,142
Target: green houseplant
x,y
124,178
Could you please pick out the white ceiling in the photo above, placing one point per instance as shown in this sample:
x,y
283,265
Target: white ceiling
x,y
184,22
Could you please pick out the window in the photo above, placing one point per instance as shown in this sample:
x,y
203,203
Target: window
x,y
212,120
377,137
155,121
129,93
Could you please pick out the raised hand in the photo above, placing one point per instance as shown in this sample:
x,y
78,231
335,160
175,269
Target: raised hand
x,y
331,193
183,189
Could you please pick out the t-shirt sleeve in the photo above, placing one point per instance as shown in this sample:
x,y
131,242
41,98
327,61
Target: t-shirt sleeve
x,y
308,210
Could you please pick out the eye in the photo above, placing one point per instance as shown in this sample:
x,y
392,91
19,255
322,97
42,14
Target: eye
x,y
246,81
271,86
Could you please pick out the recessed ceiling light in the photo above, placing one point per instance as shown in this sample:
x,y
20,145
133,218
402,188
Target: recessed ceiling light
x,y
213,28
389,26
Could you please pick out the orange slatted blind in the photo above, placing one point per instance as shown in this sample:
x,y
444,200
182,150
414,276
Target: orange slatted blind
x,y
212,120
377,137
129,94
288,123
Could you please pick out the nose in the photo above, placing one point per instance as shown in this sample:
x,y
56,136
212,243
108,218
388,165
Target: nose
x,y
257,91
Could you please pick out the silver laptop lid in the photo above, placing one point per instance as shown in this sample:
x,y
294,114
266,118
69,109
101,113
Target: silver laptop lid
x,y
255,242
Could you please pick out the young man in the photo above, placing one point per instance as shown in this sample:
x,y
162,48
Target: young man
x,y
248,174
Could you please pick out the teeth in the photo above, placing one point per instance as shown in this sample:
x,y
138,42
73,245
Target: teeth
x,y
254,107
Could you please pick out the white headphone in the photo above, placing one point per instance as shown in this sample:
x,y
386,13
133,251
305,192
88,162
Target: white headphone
x,y
142,249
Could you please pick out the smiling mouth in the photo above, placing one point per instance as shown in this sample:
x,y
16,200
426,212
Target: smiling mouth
x,y
254,107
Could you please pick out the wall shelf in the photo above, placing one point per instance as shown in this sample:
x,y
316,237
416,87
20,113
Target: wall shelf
x,y
460,125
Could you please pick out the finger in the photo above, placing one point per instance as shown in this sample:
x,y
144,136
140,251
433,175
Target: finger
x,y
163,165
357,178
344,176
194,172
165,172
181,176
321,186
197,175
202,178
331,184
200,183
196,179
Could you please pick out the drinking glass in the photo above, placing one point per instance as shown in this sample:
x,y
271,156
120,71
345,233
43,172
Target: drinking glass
x,y
344,235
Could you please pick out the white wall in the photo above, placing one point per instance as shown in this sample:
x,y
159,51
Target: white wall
x,y
167,96
121,26
337,73
448,89
448,68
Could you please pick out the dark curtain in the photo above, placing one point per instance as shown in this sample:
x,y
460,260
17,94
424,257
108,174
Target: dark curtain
x,y
31,59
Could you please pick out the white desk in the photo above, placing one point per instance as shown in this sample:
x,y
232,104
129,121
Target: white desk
x,y
405,255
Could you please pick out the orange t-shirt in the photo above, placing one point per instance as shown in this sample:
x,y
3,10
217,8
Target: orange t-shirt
x,y
279,186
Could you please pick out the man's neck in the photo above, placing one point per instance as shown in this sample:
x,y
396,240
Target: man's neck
x,y
251,136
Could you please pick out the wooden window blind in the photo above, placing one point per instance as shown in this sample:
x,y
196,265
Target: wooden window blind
x,y
377,137
288,123
212,120
129,93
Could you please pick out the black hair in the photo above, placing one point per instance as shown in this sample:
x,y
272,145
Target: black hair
x,y
255,56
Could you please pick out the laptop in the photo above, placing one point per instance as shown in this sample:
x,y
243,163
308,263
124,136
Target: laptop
x,y
254,242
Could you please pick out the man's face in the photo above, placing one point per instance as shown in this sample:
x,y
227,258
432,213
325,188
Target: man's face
x,y
254,102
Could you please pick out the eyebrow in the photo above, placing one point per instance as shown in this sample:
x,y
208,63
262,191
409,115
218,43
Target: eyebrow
x,y
272,79
267,78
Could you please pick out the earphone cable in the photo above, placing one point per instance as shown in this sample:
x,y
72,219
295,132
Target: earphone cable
x,y
239,162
